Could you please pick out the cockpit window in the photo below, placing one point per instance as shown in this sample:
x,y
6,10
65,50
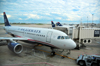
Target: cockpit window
x,y
66,37
58,37
63,37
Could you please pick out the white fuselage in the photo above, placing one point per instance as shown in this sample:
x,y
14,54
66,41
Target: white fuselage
x,y
43,35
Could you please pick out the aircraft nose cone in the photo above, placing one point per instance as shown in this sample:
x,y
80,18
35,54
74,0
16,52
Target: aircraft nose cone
x,y
72,44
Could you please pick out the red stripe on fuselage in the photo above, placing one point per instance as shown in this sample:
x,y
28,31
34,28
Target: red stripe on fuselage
x,y
31,40
45,43
38,41
18,36
42,42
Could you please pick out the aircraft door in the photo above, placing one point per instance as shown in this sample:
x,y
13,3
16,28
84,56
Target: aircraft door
x,y
48,38
25,34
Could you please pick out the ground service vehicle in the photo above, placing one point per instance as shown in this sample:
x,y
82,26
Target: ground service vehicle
x,y
88,60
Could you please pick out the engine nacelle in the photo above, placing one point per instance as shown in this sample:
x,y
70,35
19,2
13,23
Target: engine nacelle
x,y
15,47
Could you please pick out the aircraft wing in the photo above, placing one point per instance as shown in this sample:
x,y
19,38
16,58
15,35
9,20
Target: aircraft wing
x,y
12,38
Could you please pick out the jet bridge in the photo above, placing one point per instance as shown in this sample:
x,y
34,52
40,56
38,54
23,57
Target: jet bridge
x,y
67,30
84,35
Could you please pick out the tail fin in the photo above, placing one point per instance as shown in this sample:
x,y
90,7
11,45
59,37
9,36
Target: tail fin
x,y
53,25
58,24
6,20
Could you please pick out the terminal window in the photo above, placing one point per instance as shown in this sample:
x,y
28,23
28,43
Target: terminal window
x,y
96,33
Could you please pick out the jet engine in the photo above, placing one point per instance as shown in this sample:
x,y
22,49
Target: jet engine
x,y
15,47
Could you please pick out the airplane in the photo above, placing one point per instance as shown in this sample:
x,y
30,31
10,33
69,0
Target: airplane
x,y
65,28
48,37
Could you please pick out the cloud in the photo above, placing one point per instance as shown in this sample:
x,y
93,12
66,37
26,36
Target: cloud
x,y
1,15
8,16
33,16
59,18
64,10
47,13
55,12
20,19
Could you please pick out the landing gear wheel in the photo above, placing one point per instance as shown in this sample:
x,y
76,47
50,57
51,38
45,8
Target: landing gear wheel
x,y
68,52
81,63
78,48
52,53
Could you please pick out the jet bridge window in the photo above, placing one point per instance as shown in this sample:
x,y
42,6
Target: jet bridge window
x,y
63,37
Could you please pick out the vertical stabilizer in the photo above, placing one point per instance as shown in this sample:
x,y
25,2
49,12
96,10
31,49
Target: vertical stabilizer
x,y
6,20
53,25
58,24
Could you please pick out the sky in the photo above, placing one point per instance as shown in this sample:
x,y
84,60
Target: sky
x,y
45,11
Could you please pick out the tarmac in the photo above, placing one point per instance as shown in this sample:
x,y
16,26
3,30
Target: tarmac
x,y
32,57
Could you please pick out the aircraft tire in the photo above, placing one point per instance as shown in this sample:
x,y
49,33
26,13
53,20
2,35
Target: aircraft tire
x,y
52,53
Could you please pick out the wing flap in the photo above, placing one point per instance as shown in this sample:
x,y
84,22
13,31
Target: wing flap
x,y
12,38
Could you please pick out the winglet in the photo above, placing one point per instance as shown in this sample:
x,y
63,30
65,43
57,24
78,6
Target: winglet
x,y
53,25
6,20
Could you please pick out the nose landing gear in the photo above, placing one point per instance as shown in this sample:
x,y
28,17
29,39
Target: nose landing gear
x,y
53,52
64,52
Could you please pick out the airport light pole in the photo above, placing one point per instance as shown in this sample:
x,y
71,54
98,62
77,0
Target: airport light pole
x,y
99,20
92,20
87,21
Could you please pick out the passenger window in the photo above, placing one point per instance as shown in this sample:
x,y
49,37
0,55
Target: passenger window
x,y
58,37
